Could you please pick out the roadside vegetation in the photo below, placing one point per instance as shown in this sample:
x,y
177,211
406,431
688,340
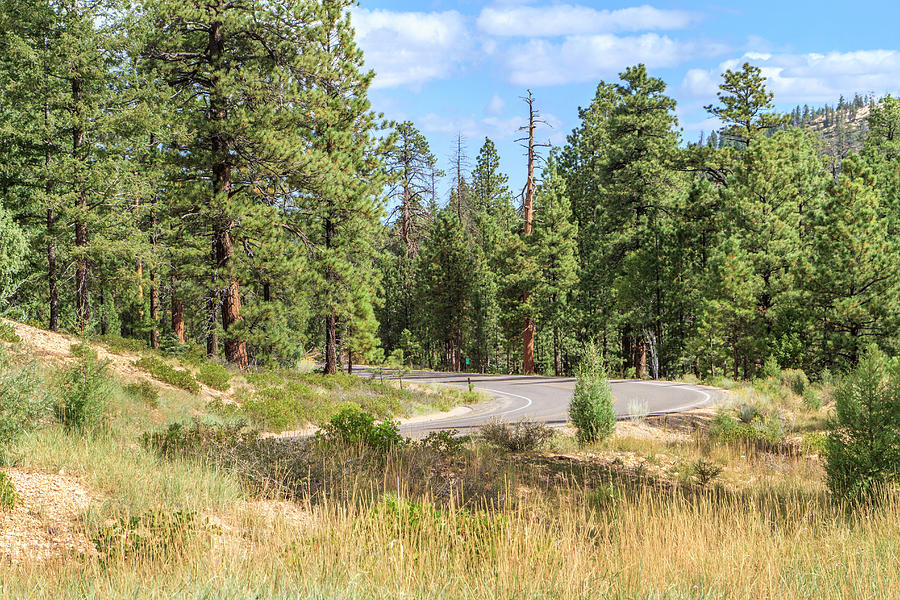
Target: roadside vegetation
x,y
186,498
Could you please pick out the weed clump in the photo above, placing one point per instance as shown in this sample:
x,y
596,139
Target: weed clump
x,y
8,334
522,436
446,442
153,534
176,377
143,391
8,496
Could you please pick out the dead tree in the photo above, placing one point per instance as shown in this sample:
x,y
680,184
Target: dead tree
x,y
527,140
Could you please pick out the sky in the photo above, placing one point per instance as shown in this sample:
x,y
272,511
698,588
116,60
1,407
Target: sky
x,y
462,66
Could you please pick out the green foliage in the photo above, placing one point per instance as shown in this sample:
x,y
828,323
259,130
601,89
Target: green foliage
x,y
12,253
117,343
521,436
276,408
8,334
795,380
83,391
179,378
446,442
353,426
771,368
150,535
704,470
747,413
214,375
863,448
22,401
591,410
762,431
8,496
144,391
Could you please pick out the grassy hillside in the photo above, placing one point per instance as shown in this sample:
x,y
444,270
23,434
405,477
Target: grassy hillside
x,y
179,497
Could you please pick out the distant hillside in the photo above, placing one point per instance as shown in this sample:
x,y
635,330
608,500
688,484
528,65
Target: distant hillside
x,y
842,127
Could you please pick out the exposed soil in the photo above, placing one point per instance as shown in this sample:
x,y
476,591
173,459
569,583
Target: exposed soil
x,y
43,525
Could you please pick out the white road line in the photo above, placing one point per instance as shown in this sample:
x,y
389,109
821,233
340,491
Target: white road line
x,y
509,412
706,396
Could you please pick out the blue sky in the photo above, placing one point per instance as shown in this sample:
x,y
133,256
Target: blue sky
x,y
462,66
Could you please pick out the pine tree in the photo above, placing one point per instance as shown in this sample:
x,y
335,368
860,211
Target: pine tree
x,y
852,277
554,249
745,106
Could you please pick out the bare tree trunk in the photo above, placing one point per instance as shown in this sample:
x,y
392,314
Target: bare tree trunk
x,y
154,310
81,267
235,349
177,315
528,332
104,322
557,358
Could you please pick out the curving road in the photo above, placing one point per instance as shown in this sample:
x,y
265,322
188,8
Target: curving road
x,y
546,399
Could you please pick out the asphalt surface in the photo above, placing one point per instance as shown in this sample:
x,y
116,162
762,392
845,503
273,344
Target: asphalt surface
x,y
546,399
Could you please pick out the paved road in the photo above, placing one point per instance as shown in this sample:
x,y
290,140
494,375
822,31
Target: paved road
x,y
547,398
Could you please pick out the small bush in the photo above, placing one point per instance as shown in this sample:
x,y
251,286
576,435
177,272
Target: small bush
x,y
355,427
22,403
8,334
795,379
176,377
747,413
143,391
214,375
814,443
83,390
705,471
771,368
117,343
446,442
8,496
604,498
275,408
153,534
863,449
522,436
591,410
812,398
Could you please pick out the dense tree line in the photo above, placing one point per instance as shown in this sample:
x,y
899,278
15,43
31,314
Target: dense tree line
x,y
211,172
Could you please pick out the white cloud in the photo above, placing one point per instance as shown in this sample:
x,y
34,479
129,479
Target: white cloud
x,y
495,105
498,128
586,58
568,19
809,77
411,48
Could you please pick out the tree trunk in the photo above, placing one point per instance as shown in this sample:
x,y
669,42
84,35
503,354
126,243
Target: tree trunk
x,y
349,361
154,310
81,291
104,322
528,334
557,358
177,316
235,349
330,344
51,272
51,232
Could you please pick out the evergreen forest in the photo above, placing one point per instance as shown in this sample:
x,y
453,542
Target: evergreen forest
x,y
213,174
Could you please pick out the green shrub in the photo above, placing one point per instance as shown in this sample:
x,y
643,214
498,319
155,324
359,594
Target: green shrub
x,y
117,343
795,379
356,427
83,390
143,391
704,470
274,408
8,496
153,534
591,410
771,368
863,449
22,401
214,375
603,498
522,436
814,443
176,377
8,334
812,398
446,442
747,413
